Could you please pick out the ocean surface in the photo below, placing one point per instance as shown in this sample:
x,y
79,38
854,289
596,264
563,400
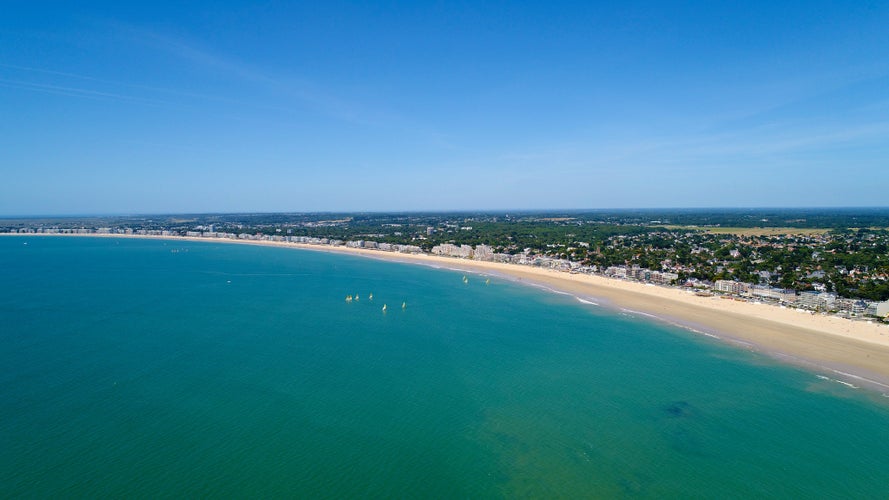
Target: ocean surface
x,y
153,369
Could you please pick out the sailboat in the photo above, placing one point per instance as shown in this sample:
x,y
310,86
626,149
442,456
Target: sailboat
x,y
404,305
488,281
371,296
465,279
348,298
384,307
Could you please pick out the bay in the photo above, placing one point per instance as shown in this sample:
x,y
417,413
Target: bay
x,y
149,368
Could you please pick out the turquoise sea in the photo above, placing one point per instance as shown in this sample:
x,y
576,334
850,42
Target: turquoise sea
x,y
146,368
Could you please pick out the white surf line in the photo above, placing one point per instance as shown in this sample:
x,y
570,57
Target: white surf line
x,y
858,377
847,384
588,300
660,319
835,371
584,301
640,313
562,292
548,289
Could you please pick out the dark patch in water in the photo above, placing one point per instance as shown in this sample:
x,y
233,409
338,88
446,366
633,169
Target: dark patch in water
x,y
680,428
630,486
679,409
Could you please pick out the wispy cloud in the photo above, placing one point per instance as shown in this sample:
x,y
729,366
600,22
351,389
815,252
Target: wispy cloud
x,y
290,88
75,91
77,85
299,89
692,150
293,89
191,52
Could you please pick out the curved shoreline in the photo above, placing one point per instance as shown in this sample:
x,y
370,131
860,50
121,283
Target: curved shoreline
x,y
854,353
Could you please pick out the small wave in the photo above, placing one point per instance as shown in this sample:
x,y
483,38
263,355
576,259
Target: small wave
x,y
632,313
847,384
640,313
858,377
548,289
748,345
588,302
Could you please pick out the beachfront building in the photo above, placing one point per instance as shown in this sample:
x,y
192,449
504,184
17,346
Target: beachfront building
x,y
483,252
637,273
616,272
854,307
733,287
879,309
786,295
816,301
451,250
408,249
769,293
663,277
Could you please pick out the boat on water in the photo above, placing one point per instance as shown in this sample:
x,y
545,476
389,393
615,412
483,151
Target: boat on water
x,y
348,298
371,296
384,307
465,279
404,305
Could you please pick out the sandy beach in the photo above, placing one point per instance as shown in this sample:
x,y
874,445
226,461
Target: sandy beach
x,y
855,352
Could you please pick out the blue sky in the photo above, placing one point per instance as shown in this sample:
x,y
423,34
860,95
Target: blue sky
x,y
112,108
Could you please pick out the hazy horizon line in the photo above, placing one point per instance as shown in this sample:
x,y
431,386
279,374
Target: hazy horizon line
x,y
447,211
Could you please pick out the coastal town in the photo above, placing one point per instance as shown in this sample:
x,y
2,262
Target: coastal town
x,y
840,271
